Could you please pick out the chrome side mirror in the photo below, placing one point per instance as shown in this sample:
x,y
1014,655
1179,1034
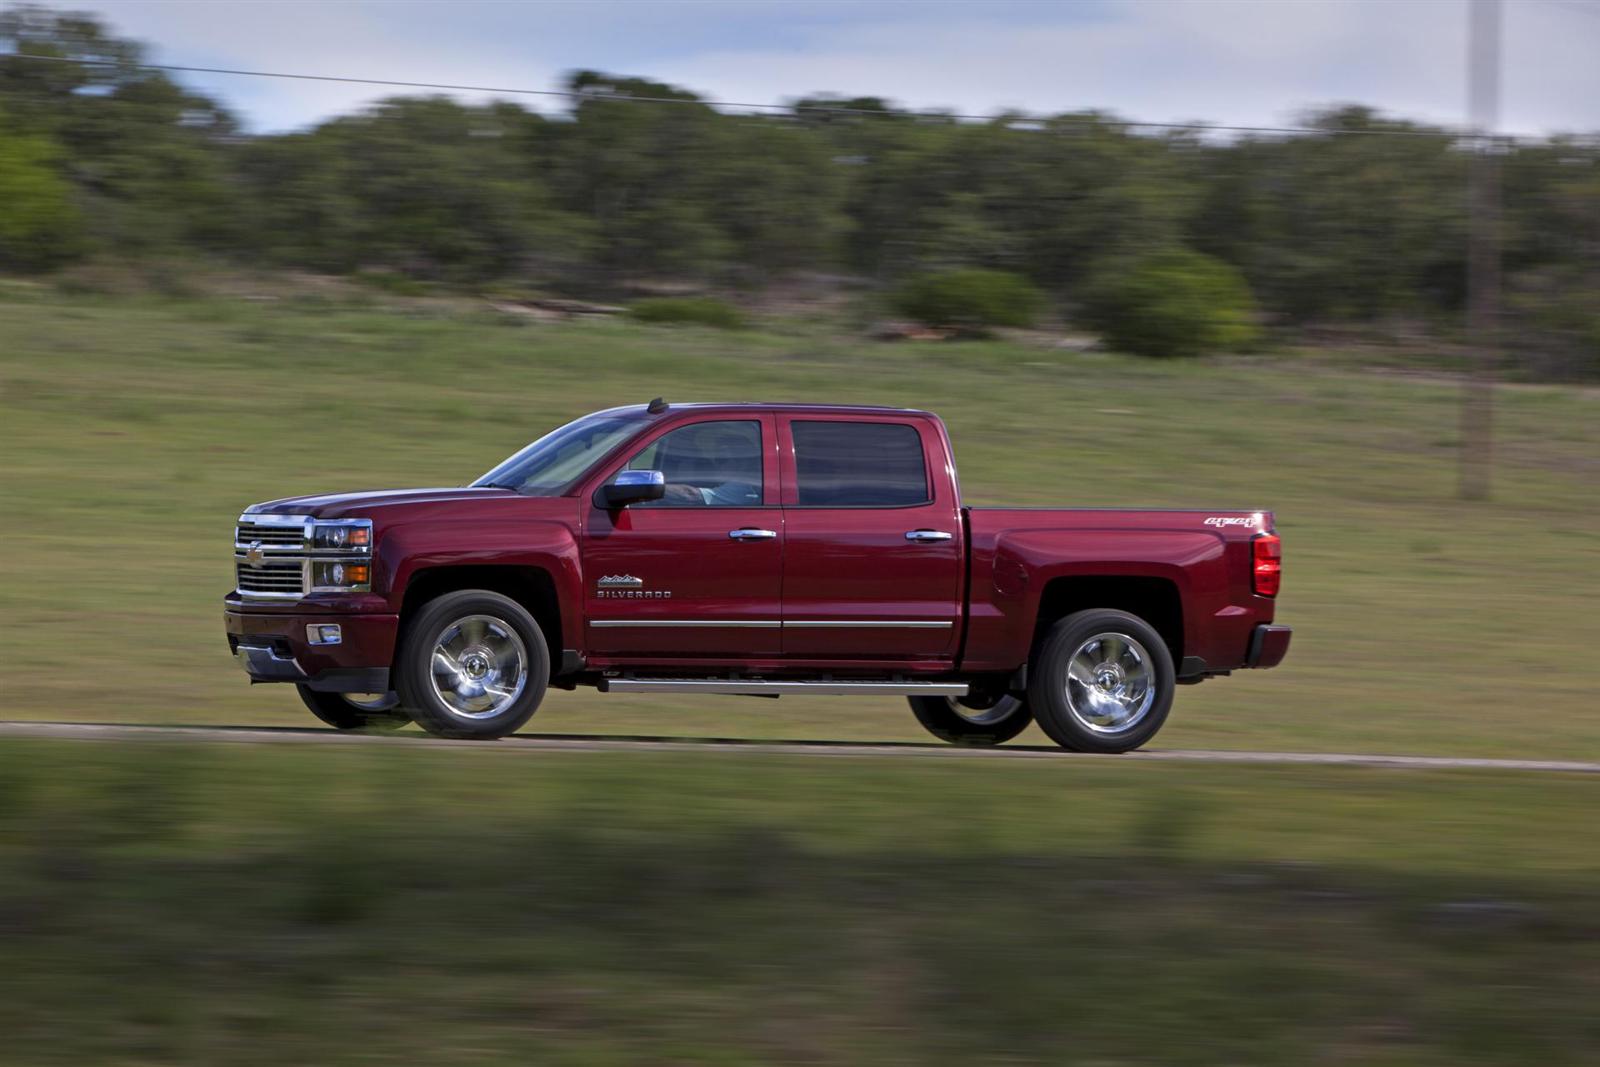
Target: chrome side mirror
x,y
632,487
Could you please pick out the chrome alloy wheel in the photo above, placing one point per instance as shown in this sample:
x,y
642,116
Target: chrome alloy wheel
x,y
480,666
984,710
1110,683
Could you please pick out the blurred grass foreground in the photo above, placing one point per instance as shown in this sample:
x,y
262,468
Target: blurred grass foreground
x,y
242,905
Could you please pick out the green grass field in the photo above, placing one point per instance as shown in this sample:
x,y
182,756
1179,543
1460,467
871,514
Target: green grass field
x,y
163,903
237,905
133,432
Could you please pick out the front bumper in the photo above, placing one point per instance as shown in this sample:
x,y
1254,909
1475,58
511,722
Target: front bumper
x,y
1268,646
272,647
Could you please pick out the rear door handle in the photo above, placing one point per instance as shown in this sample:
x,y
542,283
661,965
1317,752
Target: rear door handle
x,y
928,535
750,533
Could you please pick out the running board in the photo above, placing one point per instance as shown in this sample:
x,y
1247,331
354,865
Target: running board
x,y
756,687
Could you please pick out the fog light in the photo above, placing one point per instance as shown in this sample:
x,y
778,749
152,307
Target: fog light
x,y
324,634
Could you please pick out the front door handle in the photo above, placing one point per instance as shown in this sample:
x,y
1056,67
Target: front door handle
x,y
928,535
750,533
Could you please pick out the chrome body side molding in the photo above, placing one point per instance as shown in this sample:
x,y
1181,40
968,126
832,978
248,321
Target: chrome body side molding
x,y
774,624
760,687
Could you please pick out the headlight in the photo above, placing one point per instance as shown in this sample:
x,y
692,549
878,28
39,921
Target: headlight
x,y
341,556
329,577
353,534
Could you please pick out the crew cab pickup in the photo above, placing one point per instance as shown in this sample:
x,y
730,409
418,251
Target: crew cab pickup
x,y
758,549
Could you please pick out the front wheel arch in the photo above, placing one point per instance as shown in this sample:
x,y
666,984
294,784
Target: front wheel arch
x,y
534,588
502,654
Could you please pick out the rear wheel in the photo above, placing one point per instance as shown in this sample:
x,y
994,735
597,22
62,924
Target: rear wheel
x,y
975,719
355,711
1102,682
473,665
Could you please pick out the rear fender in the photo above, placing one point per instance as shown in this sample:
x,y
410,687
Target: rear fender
x,y
1005,610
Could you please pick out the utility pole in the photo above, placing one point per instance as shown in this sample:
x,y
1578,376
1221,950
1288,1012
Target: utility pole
x,y
1483,254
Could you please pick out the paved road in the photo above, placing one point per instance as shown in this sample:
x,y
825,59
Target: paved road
x,y
550,743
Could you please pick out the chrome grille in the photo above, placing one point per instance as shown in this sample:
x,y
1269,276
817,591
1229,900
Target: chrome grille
x,y
273,577
269,557
271,535
277,557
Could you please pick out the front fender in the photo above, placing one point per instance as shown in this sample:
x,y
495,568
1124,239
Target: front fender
x,y
547,545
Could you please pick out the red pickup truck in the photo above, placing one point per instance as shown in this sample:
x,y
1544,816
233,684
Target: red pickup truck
x,y
755,549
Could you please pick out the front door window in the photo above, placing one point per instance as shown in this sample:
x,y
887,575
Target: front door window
x,y
707,465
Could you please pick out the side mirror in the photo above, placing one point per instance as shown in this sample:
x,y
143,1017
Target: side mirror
x,y
632,487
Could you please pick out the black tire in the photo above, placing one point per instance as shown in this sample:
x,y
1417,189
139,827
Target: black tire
x,y
977,719
1072,723
339,713
414,666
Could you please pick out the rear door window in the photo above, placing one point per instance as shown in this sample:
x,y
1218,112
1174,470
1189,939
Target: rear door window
x,y
859,465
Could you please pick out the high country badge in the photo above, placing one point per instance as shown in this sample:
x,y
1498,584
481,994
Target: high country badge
x,y
627,587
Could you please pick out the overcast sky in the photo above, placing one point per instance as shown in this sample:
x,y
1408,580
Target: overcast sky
x,y
1229,61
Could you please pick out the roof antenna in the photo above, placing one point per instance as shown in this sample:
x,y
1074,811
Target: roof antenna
x,y
656,406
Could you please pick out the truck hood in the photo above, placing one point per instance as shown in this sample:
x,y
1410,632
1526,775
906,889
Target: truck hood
x,y
348,505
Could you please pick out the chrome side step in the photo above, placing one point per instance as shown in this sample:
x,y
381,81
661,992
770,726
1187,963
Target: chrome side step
x,y
759,688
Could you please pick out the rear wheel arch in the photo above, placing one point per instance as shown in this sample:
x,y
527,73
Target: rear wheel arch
x,y
1156,600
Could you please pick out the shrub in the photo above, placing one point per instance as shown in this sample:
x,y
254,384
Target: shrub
x,y
1556,324
972,299
700,310
393,282
1172,303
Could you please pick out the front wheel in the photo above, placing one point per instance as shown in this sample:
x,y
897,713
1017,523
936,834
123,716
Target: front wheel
x,y
975,719
355,711
472,665
1102,682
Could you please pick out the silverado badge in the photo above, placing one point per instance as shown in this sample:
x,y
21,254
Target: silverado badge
x,y
253,554
627,587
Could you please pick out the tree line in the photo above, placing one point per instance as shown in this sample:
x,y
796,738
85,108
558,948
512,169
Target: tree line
x,y
1362,220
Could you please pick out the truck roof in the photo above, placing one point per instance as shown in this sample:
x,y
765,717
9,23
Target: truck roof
x,y
747,405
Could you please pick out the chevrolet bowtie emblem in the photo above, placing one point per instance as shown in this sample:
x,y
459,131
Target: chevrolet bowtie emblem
x,y
253,554
620,581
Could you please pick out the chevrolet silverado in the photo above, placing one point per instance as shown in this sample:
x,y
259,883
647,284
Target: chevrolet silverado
x,y
756,549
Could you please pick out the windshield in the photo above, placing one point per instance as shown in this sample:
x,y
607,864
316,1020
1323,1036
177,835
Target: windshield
x,y
559,458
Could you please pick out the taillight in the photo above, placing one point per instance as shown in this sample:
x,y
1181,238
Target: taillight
x,y
1267,558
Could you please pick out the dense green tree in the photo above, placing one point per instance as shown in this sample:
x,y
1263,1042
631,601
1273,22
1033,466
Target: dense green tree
x,y
642,174
425,186
39,225
1360,220
147,158
1551,193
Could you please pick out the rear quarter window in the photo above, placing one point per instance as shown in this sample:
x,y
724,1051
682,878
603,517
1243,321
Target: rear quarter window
x,y
859,465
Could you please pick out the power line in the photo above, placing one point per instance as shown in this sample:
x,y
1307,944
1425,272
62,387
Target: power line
x,y
825,109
